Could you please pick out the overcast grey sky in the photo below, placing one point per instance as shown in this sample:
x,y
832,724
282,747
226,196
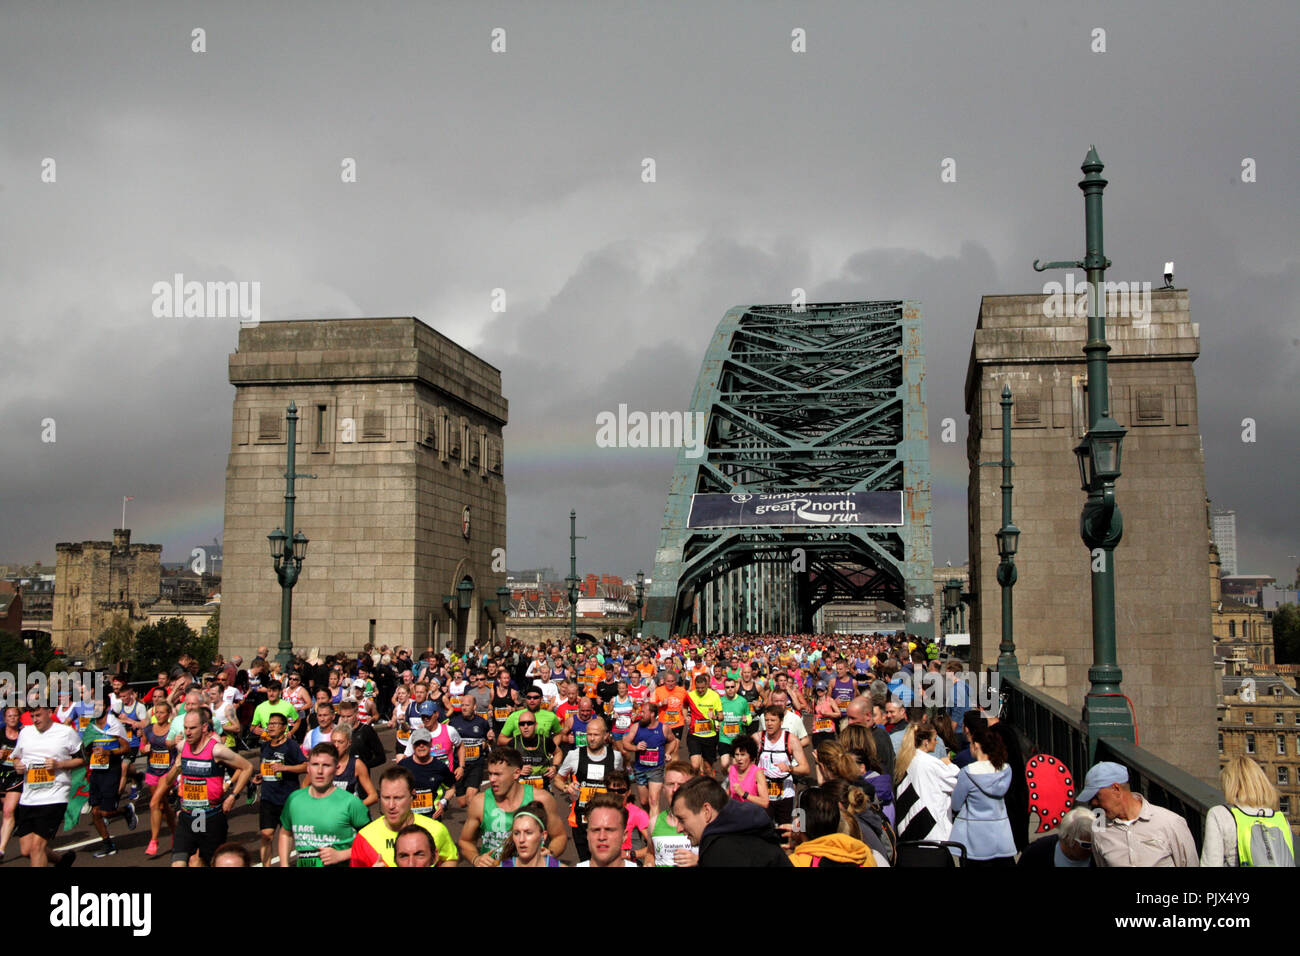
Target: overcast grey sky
x,y
522,170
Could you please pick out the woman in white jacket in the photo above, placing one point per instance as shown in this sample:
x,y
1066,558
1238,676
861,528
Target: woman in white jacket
x,y
923,787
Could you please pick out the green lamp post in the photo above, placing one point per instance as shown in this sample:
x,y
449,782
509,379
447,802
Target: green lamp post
x,y
1105,711
287,553
1008,543
640,601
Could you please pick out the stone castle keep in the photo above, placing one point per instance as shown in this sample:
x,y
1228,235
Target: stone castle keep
x,y
1162,614
96,581
402,429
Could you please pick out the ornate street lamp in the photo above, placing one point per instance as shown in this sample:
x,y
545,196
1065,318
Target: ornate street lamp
x,y
1105,711
1008,542
287,553
640,601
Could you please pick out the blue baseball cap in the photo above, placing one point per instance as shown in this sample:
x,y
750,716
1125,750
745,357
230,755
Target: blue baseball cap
x,y
1100,777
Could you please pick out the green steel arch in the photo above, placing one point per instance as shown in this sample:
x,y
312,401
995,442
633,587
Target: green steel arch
x,y
827,399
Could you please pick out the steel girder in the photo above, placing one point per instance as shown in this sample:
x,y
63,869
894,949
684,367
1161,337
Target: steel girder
x,y
828,399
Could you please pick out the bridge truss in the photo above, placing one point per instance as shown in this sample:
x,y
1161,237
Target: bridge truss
x,y
829,399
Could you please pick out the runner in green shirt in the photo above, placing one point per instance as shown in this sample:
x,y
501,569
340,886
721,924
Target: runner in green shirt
x,y
321,821
735,715
275,704
548,725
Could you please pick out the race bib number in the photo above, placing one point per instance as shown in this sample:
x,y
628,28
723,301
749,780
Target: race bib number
x,y
83,722
6,756
422,801
194,795
159,761
580,739
648,758
824,725
453,703
539,782
622,722
404,734
586,793
267,772
472,751
40,777
730,729
501,713
99,759
702,727
775,788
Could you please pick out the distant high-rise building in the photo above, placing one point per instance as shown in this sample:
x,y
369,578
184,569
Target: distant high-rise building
x,y
1223,525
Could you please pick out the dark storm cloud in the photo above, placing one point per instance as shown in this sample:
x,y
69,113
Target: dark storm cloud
x,y
522,171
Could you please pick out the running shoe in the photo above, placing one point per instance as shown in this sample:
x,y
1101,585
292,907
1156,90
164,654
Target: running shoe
x,y
132,818
108,849
152,848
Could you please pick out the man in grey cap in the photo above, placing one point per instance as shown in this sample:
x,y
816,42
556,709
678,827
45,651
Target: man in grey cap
x,y
1137,833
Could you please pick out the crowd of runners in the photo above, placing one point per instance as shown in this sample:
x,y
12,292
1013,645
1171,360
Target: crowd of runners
x,y
732,750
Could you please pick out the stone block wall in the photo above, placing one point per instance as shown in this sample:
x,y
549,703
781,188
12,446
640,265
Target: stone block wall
x,y
1162,563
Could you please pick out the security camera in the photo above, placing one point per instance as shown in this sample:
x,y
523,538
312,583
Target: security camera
x,y
1169,275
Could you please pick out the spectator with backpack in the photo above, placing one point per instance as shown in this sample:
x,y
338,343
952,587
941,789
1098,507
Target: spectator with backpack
x,y
1248,830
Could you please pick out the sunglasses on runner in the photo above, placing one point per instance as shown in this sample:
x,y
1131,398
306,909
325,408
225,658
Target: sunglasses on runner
x,y
527,723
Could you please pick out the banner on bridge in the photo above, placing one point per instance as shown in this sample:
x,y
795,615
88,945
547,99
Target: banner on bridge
x,y
797,509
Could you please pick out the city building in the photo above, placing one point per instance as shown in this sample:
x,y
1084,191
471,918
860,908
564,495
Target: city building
x,y
1223,525
406,512
1259,716
1248,588
96,580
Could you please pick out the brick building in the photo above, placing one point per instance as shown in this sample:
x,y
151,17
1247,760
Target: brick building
x,y
1162,592
96,580
407,514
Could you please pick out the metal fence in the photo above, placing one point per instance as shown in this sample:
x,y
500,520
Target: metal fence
x,y
1052,729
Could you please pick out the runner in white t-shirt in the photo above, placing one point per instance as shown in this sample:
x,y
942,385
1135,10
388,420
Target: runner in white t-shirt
x,y
44,755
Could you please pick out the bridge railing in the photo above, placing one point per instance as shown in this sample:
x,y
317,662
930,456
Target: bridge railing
x,y
1052,729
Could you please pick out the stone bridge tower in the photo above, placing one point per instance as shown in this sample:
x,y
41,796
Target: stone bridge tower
x,y
407,513
1163,623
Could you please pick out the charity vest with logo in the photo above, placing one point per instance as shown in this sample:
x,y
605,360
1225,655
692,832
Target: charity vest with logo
x,y
497,822
202,779
667,841
734,719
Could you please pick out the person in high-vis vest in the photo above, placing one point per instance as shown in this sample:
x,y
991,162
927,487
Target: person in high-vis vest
x,y
1248,830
